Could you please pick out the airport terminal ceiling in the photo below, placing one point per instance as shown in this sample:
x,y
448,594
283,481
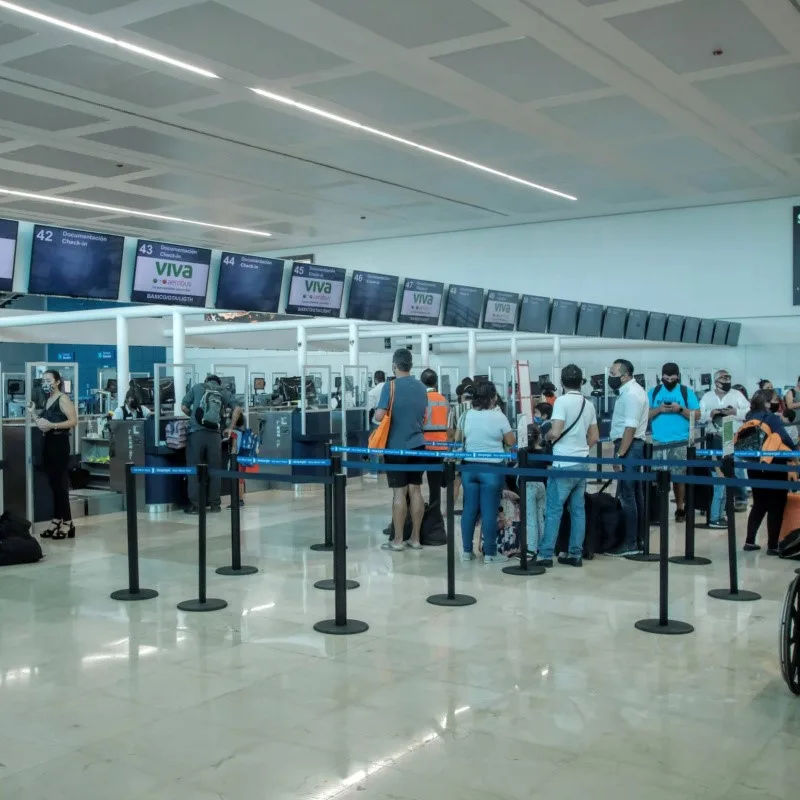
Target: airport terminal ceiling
x,y
626,106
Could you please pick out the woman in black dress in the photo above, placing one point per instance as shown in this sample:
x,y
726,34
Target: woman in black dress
x,y
55,422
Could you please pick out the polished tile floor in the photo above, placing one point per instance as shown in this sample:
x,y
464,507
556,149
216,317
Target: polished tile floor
x,y
543,689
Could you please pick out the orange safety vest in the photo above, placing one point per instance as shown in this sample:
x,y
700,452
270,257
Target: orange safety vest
x,y
436,419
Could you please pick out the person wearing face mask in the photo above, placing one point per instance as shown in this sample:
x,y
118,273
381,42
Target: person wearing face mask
x,y
725,401
55,421
672,406
544,413
132,408
628,431
549,393
791,398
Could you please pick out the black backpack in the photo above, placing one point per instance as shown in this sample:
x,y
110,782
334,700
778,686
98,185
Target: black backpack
x,y
17,546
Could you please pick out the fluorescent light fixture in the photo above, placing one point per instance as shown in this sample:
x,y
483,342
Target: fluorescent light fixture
x,y
351,123
101,37
132,212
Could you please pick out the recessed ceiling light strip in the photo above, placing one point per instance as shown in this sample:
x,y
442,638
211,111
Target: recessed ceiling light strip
x,y
350,123
66,201
101,37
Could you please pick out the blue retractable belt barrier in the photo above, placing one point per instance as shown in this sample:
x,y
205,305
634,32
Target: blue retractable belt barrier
x,y
164,470
561,472
366,466
737,483
754,454
269,476
286,462
365,451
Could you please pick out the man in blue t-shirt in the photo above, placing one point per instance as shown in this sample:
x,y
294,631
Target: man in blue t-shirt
x,y
409,407
672,405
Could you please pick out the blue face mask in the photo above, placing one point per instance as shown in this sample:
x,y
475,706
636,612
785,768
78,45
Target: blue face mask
x,y
538,420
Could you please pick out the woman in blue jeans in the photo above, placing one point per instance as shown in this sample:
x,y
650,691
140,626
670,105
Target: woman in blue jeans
x,y
485,430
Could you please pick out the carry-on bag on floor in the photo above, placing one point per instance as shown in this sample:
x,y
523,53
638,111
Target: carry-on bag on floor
x,y
791,515
433,531
604,524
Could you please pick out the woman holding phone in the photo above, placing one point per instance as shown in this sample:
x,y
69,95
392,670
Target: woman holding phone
x,y
56,420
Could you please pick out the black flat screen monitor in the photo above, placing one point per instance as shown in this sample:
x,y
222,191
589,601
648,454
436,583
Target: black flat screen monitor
x,y
463,306
614,322
315,290
590,319
734,331
706,333
8,249
656,326
691,327
501,311
75,263
372,296
145,390
720,336
674,329
563,317
249,283
288,389
421,302
637,322
534,314
15,386
172,274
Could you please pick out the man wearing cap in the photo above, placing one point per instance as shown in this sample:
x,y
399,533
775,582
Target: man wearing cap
x,y
672,406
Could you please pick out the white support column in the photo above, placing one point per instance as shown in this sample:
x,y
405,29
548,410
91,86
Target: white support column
x,y
302,349
514,352
472,353
354,349
123,360
556,376
179,353
425,348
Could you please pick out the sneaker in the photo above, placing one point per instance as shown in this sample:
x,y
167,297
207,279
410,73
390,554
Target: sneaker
x,y
721,523
492,559
621,552
215,510
680,515
570,561
191,510
772,551
414,545
750,546
739,507
543,562
467,556
398,548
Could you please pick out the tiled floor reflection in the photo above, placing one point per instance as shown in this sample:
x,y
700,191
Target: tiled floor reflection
x,y
543,689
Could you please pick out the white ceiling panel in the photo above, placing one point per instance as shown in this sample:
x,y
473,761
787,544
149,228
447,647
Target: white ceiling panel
x,y
93,6
36,114
523,70
261,121
440,212
595,2
97,72
684,35
221,34
415,23
220,215
44,212
758,94
144,140
481,138
368,195
11,33
150,226
192,184
26,182
784,135
730,179
679,154
55,158
113,197
379,98
610,118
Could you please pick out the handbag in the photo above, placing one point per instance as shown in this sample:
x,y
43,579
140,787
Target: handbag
x,y
379,438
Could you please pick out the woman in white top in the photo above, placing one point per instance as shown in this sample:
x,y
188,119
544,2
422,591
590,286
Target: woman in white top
x,y
485,430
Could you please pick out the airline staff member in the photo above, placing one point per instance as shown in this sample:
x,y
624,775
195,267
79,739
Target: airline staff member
x,y
628,431
436,430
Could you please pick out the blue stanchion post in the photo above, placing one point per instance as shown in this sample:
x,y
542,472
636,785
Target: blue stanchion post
x,y
663,625
202,603
236,568
334,460
524,568
134,591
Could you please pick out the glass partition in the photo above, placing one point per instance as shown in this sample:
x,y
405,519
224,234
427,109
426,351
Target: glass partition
x,y
499,377
36,400
107,391
354,386
315,391
167,388
236,379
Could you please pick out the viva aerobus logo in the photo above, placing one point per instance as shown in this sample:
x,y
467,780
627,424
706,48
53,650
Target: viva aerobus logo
x,y
318,287
502,308
423,299
169,270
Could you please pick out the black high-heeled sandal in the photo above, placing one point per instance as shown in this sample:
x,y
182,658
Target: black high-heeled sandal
x,y
59,533
50,533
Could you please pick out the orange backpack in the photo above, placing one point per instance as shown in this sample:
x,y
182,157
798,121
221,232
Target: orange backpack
x,y
755,436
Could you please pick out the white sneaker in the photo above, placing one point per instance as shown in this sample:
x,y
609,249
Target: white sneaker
x,y
467,556
492,559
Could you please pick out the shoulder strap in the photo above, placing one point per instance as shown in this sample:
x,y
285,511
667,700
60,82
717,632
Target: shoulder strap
x,y
685,395
577,419
656,393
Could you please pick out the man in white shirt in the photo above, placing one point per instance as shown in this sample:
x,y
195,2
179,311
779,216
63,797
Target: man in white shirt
x,y
374,394
628,431
726,401
573,432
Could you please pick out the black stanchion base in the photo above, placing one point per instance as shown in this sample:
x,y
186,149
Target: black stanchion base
x,y
741,596
672,628
529,570
211,604
128,596
322,547
695,561
328,585
649,557
455,600
234,571
350,627
797,571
